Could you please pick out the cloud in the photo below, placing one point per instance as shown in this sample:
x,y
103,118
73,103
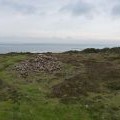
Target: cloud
x,y
78,8
116,10
35,7
18,6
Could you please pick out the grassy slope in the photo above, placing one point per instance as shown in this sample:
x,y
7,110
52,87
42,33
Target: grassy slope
x,y
89,89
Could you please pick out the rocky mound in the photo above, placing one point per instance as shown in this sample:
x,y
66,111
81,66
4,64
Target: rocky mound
x,y
41,62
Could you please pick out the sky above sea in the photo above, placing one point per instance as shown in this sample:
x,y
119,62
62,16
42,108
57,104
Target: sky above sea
x,y
60,21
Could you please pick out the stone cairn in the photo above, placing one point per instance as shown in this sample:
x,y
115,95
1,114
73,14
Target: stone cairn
x,y
41,62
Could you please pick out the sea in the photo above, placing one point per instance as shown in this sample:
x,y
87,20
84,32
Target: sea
x,y
41,48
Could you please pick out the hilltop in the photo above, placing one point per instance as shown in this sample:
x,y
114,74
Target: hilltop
x,y
74,85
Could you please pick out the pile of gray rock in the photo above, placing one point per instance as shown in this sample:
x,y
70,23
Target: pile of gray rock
x,y
40,62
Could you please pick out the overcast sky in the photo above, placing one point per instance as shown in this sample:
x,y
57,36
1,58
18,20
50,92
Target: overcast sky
x,y
74,21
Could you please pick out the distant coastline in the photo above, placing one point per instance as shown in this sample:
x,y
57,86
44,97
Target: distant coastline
x,y
113,50
55,48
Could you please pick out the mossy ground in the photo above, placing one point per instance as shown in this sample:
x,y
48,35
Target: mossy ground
x,y
86,88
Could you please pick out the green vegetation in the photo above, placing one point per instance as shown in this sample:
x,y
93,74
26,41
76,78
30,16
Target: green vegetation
x,y
87,87
104,50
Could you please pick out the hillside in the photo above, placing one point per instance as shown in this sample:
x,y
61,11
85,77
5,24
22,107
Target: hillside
x,y
72,85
